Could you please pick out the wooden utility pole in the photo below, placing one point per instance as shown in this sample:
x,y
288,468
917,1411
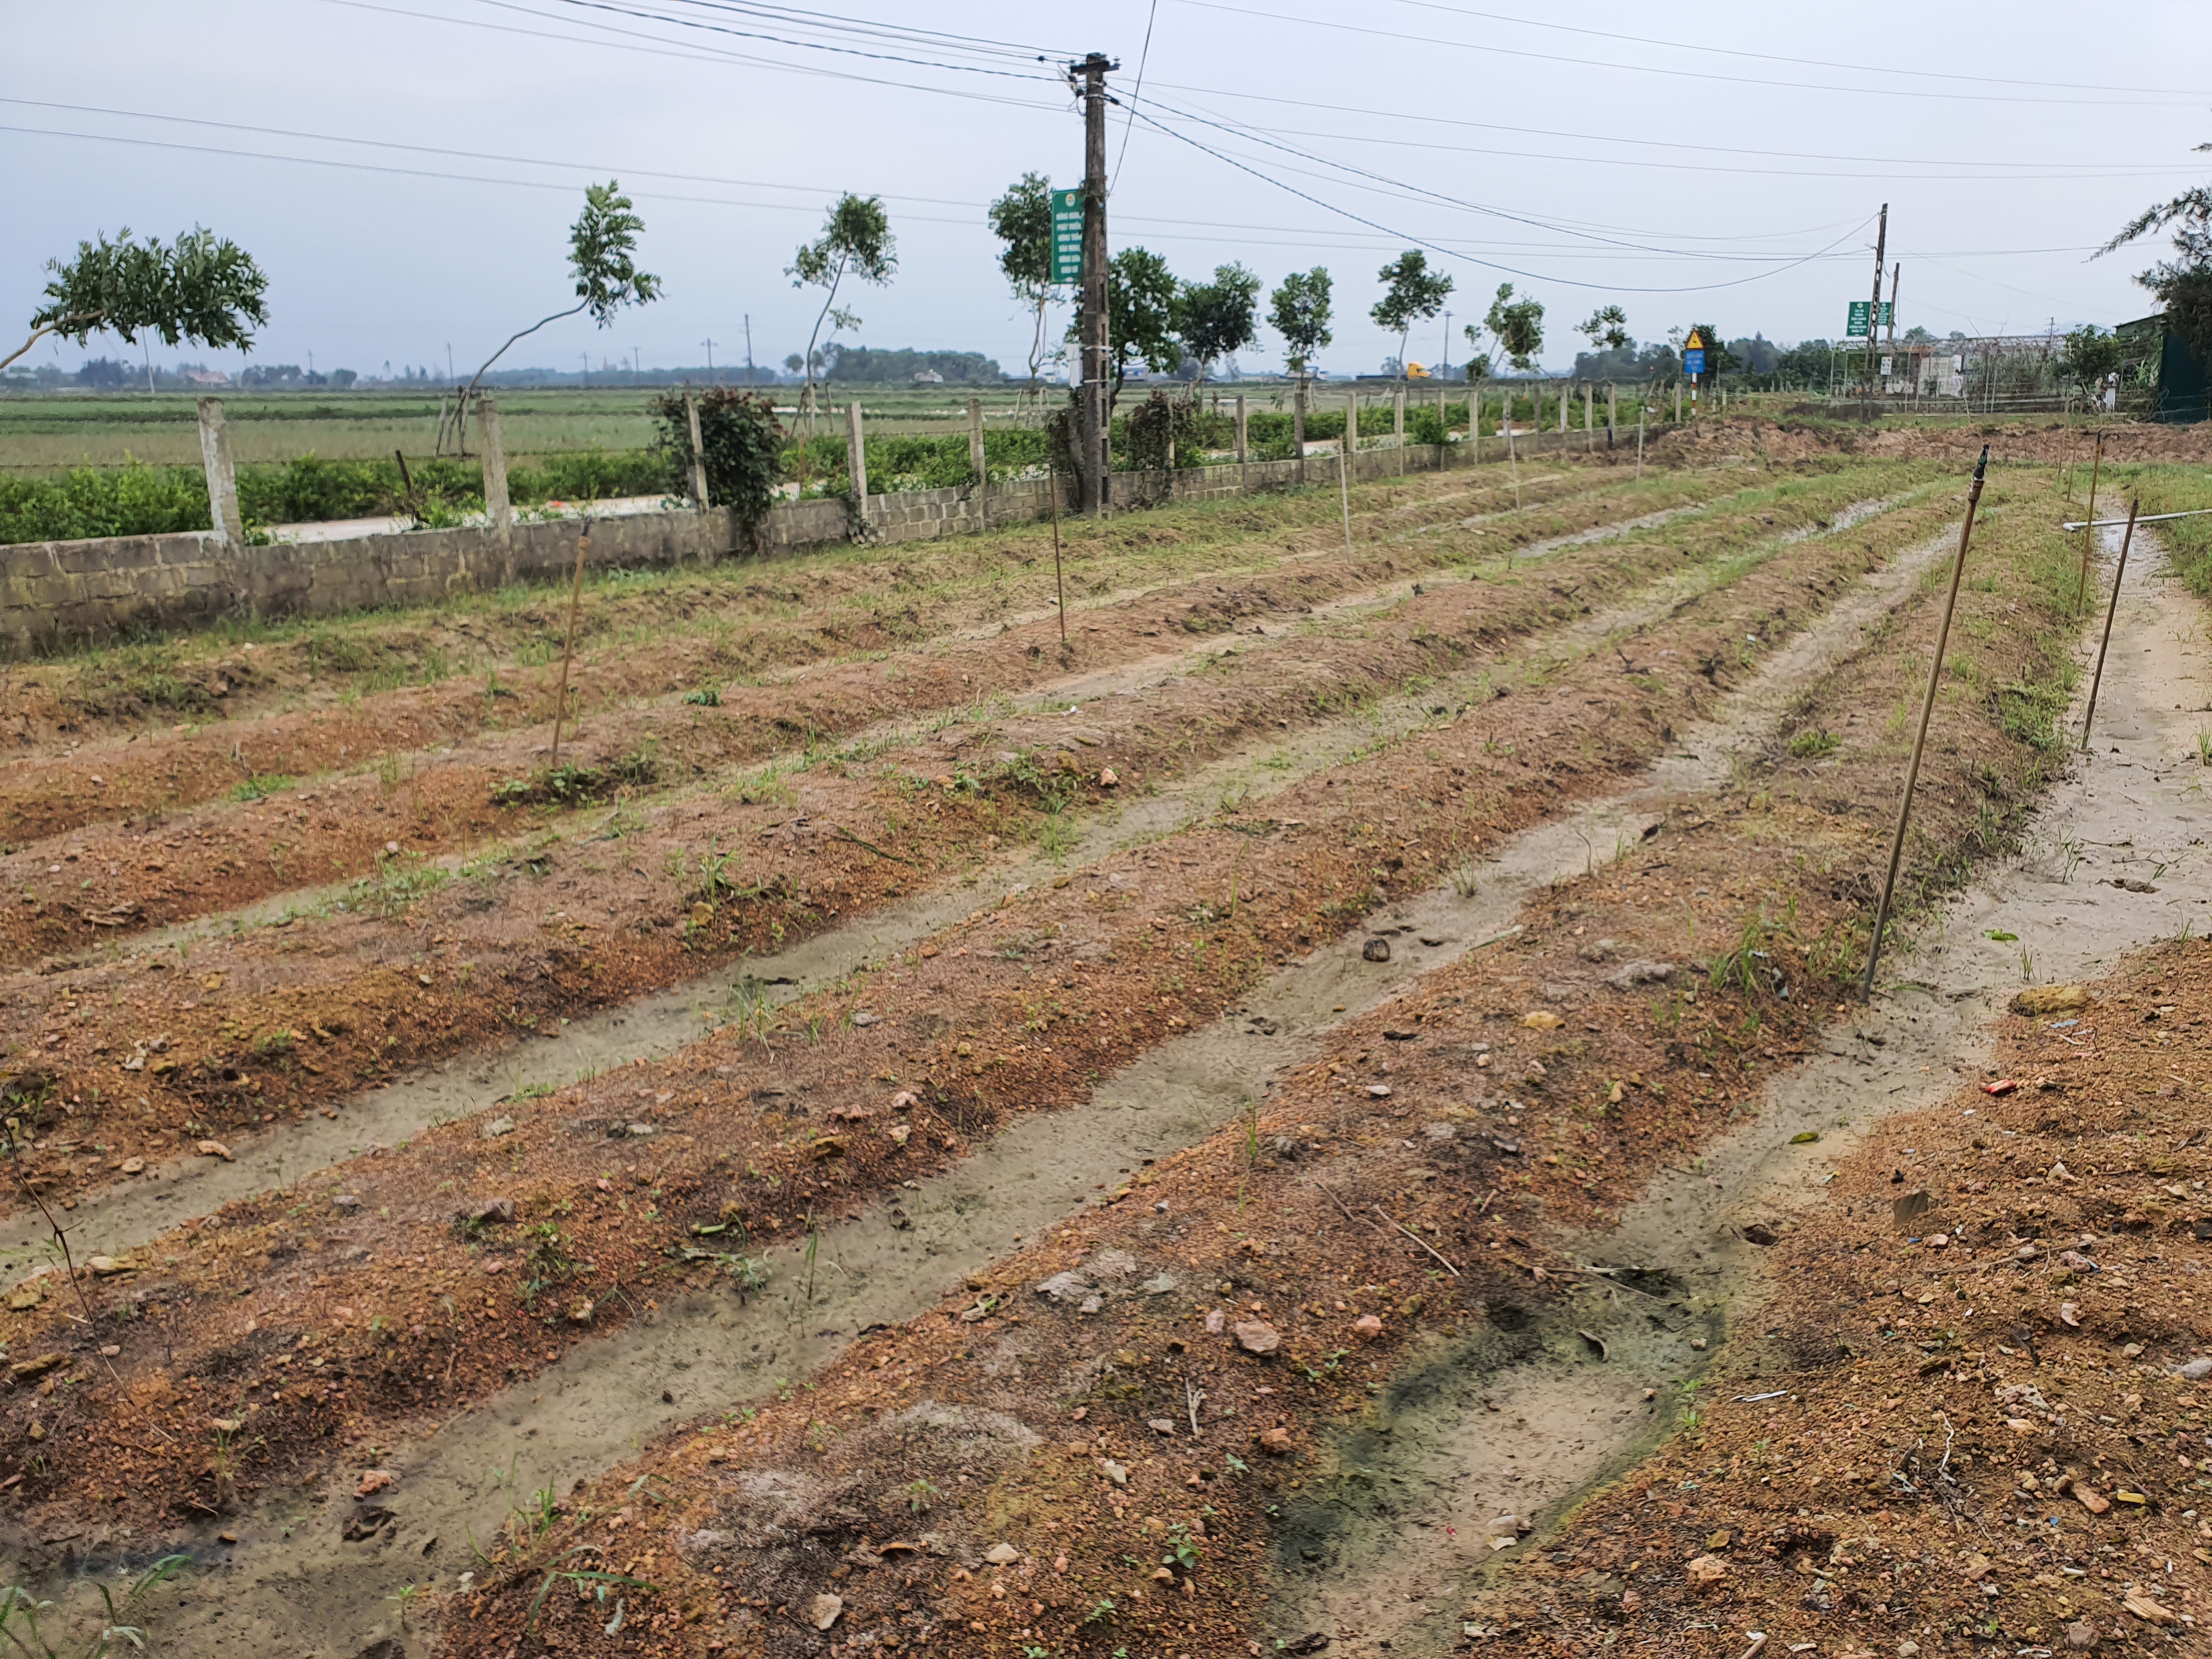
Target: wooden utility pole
x,y
1096,489
1889,323
1874,307
1927,707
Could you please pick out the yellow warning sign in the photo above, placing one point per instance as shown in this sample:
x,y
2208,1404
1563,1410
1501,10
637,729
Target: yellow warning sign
x,y
1695,342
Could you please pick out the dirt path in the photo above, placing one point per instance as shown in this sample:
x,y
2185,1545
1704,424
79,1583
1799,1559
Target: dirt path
x,y
2136,808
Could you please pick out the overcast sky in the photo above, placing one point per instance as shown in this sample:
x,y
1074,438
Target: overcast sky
x,y
1594,156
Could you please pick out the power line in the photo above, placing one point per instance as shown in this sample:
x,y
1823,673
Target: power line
x,y
873,28
659,47
1708,51
785,41
2131,101
1607,139
1510,271
445,150
1136,94
2108,171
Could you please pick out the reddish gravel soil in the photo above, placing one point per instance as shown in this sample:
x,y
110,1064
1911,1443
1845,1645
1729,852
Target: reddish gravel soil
x,y
1990,1446
977,1038
818,628
1524,1093
254,1029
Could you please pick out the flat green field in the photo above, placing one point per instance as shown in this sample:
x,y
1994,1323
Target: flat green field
x,y
46,432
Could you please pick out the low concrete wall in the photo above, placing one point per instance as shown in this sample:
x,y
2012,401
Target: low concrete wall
x,y
57,594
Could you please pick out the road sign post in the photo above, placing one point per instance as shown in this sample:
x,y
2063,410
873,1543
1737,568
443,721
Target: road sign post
x,y
1067,236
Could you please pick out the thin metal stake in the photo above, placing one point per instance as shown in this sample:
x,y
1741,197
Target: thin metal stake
x,y
1052,474
1920,737
2081,587
567,645
2098,679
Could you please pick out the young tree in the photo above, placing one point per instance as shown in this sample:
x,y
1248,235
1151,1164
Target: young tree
x,y
201,288
856,240
2091,353
1299,311
1218,318
602,258
2184,285
1412,293
1514,329
1021,220
1607,329
1140,311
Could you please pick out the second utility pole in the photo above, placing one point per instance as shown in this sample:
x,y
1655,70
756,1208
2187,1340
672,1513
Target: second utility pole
x,y
1097,449
1874,309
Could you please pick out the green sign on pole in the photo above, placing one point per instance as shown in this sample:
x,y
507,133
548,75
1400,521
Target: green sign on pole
x,y
1067,236
1855,327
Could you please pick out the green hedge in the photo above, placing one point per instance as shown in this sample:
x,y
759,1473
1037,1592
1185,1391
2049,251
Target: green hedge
x,y
148,501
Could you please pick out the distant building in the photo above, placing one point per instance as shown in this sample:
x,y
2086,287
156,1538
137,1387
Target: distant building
x,y
928,377
204,377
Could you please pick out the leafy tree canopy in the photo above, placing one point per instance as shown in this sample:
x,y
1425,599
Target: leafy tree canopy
x,y
1022,220
201,288
2183,285
1412,293
1140,301
1298,310
603,260
1514,329
1215,319
603,254
2091,353
1607,329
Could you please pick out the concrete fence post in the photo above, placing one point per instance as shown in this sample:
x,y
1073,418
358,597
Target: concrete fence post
x,y
1589,417
1244,446
1351,445
1474,420
1678,402
498,507
1298,429
698,452
978,465
1444,425
222,475
1566,396
1398,426
1611,411
856,459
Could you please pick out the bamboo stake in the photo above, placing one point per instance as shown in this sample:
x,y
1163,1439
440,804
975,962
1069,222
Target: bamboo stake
x,y
1920,737
1512,461
1052,474
569,644
2098,679
2081,587
1344,467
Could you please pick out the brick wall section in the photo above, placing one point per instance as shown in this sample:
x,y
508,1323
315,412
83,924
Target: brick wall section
x,y
57,594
